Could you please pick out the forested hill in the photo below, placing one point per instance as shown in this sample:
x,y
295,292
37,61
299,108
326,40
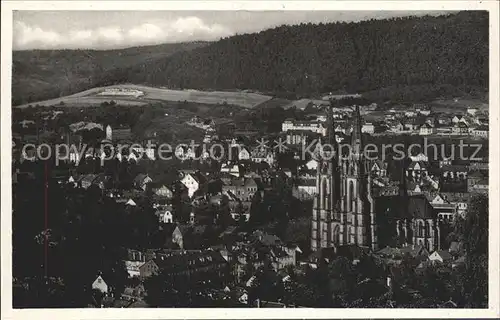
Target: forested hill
x,y
397,59
424,52
45,74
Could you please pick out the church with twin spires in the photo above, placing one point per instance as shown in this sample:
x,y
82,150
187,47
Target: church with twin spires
x,y
351,209
343,210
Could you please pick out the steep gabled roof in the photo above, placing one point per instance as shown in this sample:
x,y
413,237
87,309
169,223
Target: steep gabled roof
x,y
445,255
199,177
140,178
413,164
419,207
88,178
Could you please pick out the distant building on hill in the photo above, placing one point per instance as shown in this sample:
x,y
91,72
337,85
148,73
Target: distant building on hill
x,y
116,133
313,126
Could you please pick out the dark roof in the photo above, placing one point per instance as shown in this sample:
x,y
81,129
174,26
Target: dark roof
x,y
455,168
322,254
199,229
444,254
306,182
199,177
140,178
422,164
158,185
400,206
455,247
352,251
415,251
240,182
426,125
266,238
88,178
419,207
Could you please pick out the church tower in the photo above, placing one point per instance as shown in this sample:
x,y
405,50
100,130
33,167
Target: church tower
x,y
343,211
327,188
358,225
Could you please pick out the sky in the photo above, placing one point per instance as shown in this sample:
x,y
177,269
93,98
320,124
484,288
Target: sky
x,y
119,29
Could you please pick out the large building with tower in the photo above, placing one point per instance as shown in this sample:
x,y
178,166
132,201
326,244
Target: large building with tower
x,y
350,209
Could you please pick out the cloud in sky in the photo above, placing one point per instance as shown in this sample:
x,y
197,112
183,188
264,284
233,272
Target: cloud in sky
x,y
119,29
28,36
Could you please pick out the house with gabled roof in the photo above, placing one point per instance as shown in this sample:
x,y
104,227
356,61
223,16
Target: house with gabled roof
x,y
460,128
266,155
459,200
446,210
100,284
161,190
413,188
427,129
441,256
243,154
415,251
165,214
193,182
232,169
379,168
457,118
416,170
86,180
141,181
243,188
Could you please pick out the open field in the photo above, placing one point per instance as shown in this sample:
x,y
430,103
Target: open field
x,y
450,105
243,99
302,103
274,102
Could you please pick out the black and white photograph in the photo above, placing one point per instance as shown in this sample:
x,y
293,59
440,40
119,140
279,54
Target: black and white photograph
x,y
205,158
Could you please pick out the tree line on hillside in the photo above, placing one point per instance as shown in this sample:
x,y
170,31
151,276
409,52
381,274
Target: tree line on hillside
x,y
44,74
399,57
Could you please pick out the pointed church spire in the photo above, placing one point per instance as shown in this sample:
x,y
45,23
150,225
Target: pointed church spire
x,y
403,191
330,126
356,137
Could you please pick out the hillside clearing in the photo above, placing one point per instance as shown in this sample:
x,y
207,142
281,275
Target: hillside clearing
x,y
239,98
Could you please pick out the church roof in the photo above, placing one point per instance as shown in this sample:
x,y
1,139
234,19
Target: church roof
x,y
419,207
398,207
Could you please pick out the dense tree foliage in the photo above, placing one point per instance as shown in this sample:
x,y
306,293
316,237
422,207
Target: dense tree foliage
x,y
475,239
347,57
63,238
399,58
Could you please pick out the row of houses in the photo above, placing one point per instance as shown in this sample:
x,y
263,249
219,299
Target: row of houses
x,y
453,257
419,121
256,249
